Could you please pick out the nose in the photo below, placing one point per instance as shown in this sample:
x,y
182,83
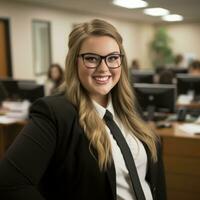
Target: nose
x,y
103,66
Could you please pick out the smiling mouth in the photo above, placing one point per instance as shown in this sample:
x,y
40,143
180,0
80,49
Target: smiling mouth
x,y
101,79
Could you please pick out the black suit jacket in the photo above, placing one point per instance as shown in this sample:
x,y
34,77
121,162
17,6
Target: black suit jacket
x,y
50,159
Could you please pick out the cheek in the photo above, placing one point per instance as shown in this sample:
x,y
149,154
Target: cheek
x,y
116,74
83,74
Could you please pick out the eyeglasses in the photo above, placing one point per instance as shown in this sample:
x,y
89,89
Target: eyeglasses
x,y
92,60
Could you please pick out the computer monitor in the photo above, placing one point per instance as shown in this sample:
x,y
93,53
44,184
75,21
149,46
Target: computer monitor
x,y
3,93
11,88
155,99
177,71
138,76
30,91
187,83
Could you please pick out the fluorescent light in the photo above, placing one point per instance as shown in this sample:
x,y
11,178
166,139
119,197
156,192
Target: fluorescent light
x,y
172,18
130,3
156,11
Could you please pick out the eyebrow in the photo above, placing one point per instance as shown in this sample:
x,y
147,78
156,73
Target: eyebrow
x,y
114,52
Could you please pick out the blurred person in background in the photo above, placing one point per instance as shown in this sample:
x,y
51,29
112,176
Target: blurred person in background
x,y
134,66
55,78
194,67
166,76
179,61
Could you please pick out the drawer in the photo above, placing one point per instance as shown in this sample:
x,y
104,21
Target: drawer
x,y
182,165
182,195
182,182
181,146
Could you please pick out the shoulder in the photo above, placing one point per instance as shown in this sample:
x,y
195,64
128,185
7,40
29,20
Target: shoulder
x,y
48,82
48,85
54,107
58,100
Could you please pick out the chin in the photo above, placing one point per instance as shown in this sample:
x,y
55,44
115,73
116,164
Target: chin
x,y
103,92
99,93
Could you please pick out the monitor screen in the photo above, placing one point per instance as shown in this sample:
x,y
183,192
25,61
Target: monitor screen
x,y
138,76
187,83
3,93
177,71
11,88
22,89
30,91
156,98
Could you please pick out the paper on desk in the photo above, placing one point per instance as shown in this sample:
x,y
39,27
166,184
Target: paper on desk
x,y
7,120
16,106
198,120
184,99
16,111
192,129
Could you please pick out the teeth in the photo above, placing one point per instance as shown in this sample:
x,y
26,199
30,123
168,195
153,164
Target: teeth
x,y
104,78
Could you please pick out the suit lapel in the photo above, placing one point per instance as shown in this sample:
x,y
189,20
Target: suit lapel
x,y
151,175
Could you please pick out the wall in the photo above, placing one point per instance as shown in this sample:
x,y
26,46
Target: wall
x,y
137,36
185,39
21,15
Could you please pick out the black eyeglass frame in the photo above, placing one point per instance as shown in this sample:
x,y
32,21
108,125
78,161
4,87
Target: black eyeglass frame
x,y
102,58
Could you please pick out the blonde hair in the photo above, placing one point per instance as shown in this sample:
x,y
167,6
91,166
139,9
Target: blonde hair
x,y
122,96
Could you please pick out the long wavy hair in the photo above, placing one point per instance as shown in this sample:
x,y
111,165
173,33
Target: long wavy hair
x,y
123,99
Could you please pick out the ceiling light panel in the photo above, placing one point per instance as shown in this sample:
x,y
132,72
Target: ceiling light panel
x,y
130,3
156,11
172,18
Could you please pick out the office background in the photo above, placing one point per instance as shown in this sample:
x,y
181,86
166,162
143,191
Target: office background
x,y
181,150
137,35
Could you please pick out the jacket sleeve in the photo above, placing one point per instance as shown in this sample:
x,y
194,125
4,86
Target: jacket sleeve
x,y
160,176
27,158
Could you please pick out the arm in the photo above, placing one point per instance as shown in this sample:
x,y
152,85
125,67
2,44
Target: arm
x,y
161,184
27,158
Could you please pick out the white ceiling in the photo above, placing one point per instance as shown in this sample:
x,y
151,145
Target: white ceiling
x,y
190,9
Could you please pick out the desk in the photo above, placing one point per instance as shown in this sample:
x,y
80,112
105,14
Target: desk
x,y
8,132
181,154
193,105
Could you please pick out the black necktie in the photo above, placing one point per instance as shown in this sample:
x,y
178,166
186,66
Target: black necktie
x,y
128,158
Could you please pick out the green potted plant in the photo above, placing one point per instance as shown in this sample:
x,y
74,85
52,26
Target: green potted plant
x,y
160,48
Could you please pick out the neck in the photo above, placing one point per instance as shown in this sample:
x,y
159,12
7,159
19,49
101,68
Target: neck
x,y
103,100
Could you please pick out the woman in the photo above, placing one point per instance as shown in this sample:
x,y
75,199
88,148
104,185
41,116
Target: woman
x,y
194,68
54,80
67,151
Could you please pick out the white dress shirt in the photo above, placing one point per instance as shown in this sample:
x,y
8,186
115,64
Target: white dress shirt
x,y
123,183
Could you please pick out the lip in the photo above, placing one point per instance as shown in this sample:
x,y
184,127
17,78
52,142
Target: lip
x,y
102,79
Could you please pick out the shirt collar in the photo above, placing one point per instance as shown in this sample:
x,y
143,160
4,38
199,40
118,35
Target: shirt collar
x,y
102,110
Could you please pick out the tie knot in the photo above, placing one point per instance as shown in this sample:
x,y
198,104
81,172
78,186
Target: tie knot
x,y
108,116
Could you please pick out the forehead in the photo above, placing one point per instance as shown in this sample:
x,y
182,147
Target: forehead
x,y
102,45
54,68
